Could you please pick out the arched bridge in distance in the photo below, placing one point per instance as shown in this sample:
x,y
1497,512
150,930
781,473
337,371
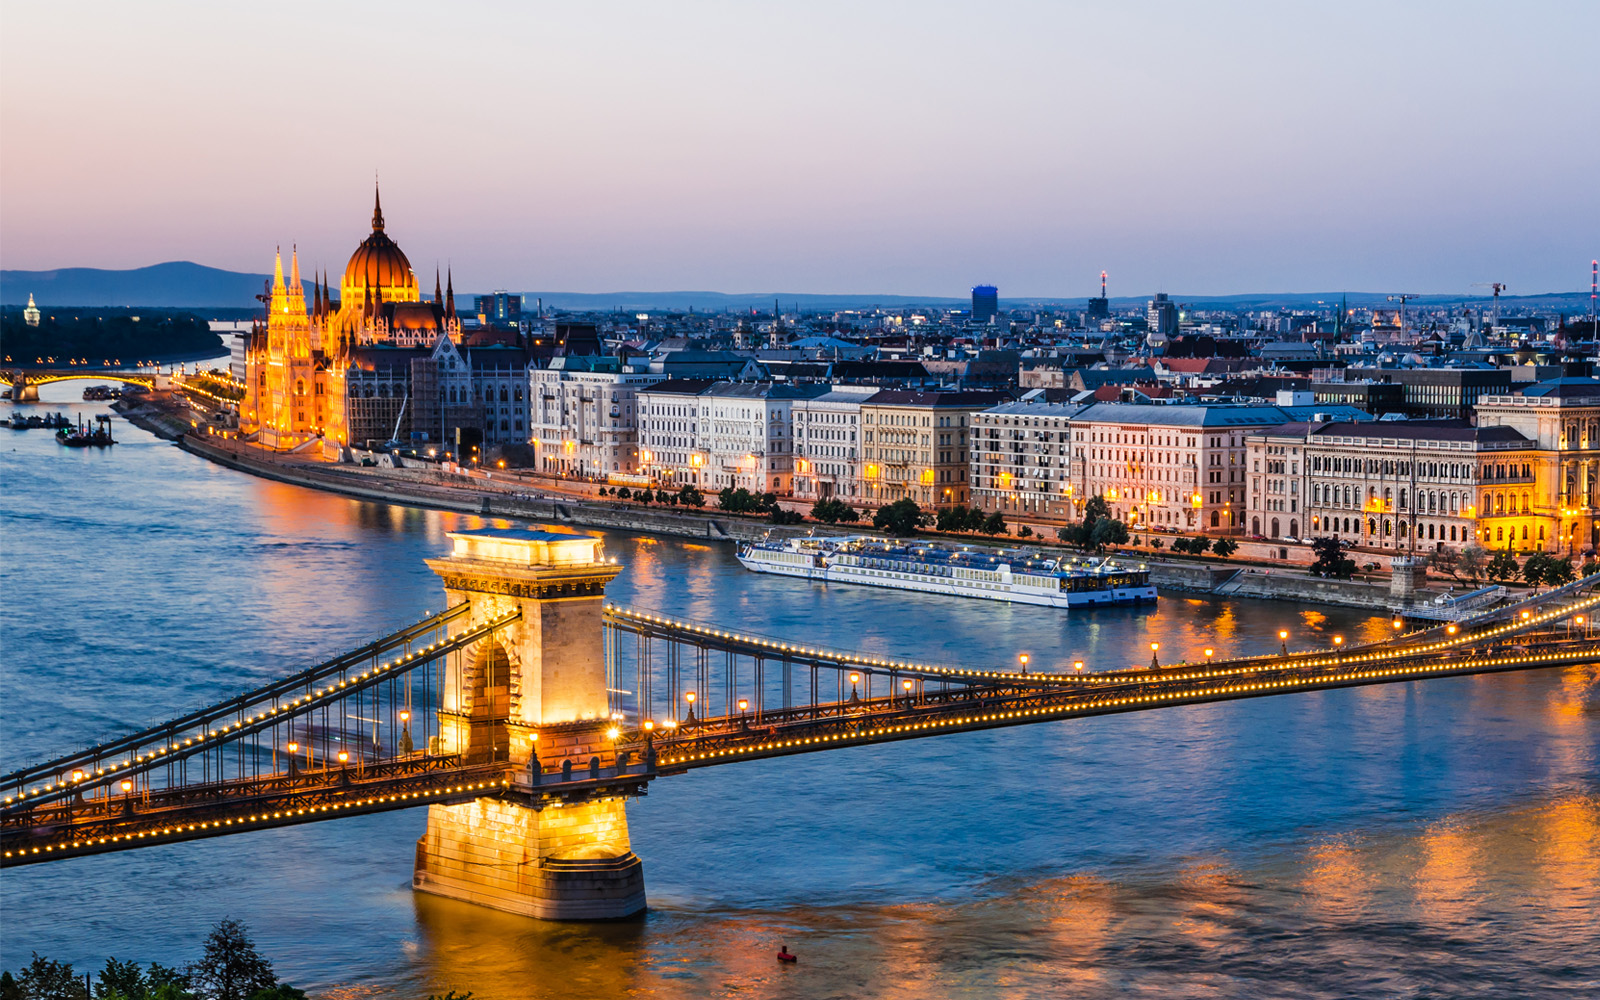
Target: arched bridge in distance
x,y
25,382
511,711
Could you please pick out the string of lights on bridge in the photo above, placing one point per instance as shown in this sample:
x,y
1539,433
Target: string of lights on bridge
x,y
1104,703
1108,677
304,703
398,800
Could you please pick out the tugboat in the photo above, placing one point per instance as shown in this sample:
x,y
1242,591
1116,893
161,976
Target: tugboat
x,y
84,437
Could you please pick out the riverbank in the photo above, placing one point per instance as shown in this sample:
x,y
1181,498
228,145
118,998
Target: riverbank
x,y
487,497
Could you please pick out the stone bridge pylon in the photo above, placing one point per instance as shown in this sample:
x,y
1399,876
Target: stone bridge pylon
x,y
533,695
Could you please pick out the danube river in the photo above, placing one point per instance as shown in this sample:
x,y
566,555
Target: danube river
x,y
1428,839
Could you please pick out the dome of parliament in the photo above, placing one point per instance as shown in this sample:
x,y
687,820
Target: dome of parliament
x,y
380,265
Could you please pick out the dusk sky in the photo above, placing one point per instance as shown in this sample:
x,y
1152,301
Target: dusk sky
x,y
913,148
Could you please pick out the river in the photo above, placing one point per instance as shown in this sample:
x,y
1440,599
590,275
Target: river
x,y
1425,839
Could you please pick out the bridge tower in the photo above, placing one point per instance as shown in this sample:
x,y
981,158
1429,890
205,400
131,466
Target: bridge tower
x,y
533,695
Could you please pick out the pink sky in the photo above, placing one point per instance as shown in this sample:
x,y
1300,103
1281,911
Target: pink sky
x,y
913,148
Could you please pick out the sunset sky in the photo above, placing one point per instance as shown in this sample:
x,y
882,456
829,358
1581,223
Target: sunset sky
x,y
916,148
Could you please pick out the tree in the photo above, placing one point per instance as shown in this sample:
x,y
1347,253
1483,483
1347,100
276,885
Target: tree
x,y
741,501
1224,547
1331,560
1471,562
602,491
1591,566
1024,531
691,496
42,979
1108,531
1096,508
781,515
645,495
623,493
952,518
231,968
1199,545
1503,567
994,524
1180,544
767,501
1533,570
832,511
1558,572
1446,561
899,518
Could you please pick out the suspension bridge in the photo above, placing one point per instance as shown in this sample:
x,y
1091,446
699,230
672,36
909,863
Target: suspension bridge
x,y
529,711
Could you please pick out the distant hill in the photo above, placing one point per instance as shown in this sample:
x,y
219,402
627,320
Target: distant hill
x,y
178,284
186,285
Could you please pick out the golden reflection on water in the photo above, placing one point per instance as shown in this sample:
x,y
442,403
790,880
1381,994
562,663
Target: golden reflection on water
x,y
1446,884
1336,882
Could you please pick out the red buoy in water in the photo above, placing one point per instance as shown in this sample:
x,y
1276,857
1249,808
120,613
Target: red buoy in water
x,y
784,956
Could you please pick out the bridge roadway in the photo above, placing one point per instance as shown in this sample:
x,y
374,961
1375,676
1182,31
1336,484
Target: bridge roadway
x,y
65,818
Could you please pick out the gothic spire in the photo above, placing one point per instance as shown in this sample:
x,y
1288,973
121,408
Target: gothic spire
x,y
449,295
277,270
377,209
294,266
316,297
438,297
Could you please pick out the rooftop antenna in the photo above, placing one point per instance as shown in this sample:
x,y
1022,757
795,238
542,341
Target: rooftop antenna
x,y
1594,279
1102,284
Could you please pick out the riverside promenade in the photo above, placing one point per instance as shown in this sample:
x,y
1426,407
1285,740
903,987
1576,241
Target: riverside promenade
x,y
501,493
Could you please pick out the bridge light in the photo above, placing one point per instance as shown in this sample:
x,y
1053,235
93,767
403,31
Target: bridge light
x,y
1283,639
649,725
405,716
612,733
344,756
127,786
1397,623
1209,653
1452,629
294,747
689,697
1077,665
744,704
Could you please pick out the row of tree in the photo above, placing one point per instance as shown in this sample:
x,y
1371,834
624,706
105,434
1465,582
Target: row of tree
x,y
230,968
688,495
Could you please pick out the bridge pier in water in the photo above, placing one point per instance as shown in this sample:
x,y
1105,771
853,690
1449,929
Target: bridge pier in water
x,y
554,844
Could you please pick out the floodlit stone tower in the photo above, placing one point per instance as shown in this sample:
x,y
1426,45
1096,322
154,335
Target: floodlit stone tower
x,y
533,695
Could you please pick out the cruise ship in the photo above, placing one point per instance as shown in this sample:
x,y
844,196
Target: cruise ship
x,y
934,568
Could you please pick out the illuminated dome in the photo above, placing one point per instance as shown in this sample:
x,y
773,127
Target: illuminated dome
x,y
378,264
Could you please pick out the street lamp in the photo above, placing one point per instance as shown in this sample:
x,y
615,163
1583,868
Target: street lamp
x,y
689,697
1024,659
1452,628
1209,653
906,684
1077,666
294,751
1338,642
1397,623
1283,639
854,679
1155,664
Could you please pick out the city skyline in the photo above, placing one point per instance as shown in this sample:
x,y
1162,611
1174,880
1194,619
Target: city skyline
x,y
880,151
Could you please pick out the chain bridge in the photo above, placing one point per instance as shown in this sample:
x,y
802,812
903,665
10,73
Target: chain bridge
x,y
528,712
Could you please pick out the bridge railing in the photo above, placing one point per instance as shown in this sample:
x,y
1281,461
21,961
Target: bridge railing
x,y
356,709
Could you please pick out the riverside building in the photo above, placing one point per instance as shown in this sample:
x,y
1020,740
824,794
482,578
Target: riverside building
x,y
915,445
828,444
1021,458
584,420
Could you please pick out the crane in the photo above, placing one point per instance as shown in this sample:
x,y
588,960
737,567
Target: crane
x,y
1498,287
1403,299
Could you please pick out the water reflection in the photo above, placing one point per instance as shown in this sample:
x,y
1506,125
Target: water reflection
x,y
1439,837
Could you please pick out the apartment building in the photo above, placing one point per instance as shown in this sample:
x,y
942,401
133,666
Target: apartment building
x,y
670,449
1021,458
915,444
715,434
1178,466
583,419
828,444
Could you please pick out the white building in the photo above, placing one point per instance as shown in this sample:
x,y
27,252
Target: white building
x,y
827,444
583,416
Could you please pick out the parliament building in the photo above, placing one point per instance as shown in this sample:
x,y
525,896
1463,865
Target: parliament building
x,y
378,363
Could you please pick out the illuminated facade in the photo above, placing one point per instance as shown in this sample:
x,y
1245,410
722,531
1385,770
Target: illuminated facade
x,y
915,445
301,366
1562,495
